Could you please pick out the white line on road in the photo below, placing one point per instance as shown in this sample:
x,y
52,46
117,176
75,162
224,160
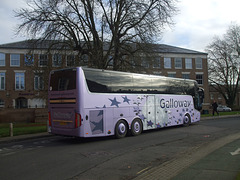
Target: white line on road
x,y
236,152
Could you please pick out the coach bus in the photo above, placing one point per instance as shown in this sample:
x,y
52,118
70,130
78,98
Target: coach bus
x,y
86,102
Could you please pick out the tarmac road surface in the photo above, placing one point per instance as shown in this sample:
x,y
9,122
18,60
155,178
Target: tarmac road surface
x,y
160,154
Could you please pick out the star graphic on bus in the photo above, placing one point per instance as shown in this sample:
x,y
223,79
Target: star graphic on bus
x,y
142,117
114,102
137,109
100,113
125,99
98,125
149,123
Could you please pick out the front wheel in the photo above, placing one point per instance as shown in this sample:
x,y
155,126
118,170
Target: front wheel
x,y
186,120
136,127
121,129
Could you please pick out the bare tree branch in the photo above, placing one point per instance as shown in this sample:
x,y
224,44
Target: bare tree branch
x,y
224,64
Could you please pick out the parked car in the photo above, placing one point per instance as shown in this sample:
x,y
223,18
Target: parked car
x,y
222,108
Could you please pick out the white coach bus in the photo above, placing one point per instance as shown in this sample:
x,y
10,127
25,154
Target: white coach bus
x,y
85,102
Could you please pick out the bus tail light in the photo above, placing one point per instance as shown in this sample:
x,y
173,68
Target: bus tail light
x,y
49,119
77,120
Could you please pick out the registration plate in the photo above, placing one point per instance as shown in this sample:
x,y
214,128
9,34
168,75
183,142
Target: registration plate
x,y
63,123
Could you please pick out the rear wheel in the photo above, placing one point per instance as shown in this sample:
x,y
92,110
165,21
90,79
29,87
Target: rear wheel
x,y
121,129
136,127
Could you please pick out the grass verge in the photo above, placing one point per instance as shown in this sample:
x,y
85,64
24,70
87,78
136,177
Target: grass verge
x,y
222,114
238,176
22,128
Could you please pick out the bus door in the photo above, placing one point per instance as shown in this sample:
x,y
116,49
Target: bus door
x,y
150,112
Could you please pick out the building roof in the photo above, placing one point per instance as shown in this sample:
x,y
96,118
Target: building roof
x,y
163,48
34,44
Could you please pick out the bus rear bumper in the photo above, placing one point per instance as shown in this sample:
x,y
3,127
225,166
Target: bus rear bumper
x,y
65,132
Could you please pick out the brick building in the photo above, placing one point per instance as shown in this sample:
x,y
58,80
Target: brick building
x,y
24,71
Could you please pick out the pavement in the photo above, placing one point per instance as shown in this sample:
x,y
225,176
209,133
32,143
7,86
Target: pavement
x,y
24,137
218,160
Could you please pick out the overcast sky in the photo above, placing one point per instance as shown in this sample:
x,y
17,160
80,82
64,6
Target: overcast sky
x,y
197,22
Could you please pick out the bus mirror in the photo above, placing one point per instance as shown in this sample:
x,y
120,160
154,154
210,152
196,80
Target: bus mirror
x,y
201,93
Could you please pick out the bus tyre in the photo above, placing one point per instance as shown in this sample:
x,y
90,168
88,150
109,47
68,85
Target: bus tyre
x,y
121,129
186,120
136,127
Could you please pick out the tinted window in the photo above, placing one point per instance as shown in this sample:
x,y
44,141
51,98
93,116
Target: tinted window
x,y
98,81
63,80
121,82
141,83
117,82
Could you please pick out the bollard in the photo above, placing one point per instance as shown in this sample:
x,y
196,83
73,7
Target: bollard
x,y
11,129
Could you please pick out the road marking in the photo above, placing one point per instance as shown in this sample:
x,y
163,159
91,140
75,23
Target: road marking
x,y
236,152
143,170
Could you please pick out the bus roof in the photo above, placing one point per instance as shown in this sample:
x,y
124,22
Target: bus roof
x,y
130,73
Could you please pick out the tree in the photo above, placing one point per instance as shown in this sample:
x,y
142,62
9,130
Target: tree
x,y
105,30
224,64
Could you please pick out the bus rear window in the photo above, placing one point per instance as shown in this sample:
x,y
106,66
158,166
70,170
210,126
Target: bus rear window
x,y
63,80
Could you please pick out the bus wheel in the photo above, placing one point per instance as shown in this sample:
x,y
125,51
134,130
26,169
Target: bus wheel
x,y
186,120
136,127
121,129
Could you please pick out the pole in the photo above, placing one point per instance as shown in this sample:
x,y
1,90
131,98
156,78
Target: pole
x,y
11,129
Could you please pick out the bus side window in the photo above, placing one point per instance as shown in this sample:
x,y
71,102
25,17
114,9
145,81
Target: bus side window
x,y
98,81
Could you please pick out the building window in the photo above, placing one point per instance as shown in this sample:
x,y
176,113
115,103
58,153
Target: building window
x,y
178,63
57,60
38,82
157,62
199,78
172,74
2,80
219,96
84,58
19,80
144,63
211,96
43,60
28,59
70,61
2,103
188,63
2,59
110,60
132,63
167,63
185,75
15,60
21,102
198,63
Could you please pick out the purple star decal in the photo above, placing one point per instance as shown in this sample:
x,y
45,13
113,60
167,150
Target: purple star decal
x,y
125,99
114,102
142,117
137,109
149,123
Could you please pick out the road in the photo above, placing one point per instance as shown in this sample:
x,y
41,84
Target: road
x,y
57,157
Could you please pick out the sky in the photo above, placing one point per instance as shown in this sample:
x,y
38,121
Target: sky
x,y
196,23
